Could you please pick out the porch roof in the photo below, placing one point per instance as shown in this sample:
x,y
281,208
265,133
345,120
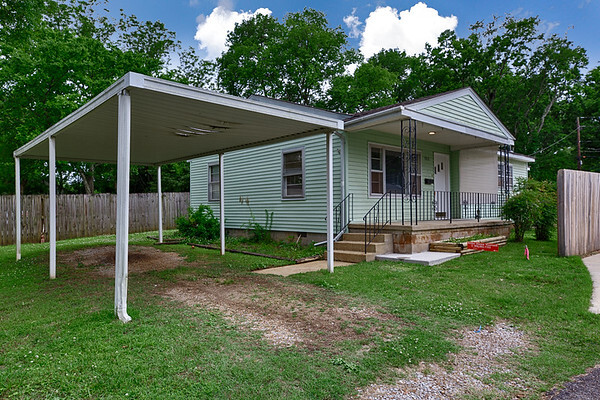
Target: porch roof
x,y
458,118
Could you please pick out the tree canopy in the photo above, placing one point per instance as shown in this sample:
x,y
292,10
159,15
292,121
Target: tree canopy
x,y
55,55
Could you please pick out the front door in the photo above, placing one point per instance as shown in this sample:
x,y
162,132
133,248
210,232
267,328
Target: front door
x,y
441,184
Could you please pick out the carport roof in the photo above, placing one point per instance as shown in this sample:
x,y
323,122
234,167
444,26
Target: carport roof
x,y
173,122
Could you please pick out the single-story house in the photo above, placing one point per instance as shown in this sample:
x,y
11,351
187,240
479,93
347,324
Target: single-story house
x,y
441,158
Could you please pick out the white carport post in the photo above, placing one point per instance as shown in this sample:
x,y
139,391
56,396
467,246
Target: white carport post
x,y
18,207
330,256
160,214
123,161
52,222
222,201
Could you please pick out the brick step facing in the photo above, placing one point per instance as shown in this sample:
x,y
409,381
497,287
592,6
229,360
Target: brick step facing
x,y
352,247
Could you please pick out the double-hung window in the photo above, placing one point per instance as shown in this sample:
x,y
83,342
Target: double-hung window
x,y
292,174
389,169
502,173
214,183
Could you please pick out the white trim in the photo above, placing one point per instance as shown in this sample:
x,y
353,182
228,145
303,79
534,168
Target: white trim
x,y
283,187
209,192
391,148
519,157
52,219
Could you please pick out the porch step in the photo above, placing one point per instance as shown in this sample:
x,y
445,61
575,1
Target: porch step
x,y
352,247
424,258
360,237
352,256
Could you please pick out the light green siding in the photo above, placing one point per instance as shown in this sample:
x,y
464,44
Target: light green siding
x,y
454,171
358,168
465,111
253,184
519,170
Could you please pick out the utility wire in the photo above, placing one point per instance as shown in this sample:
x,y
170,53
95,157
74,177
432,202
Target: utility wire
x,y
555,143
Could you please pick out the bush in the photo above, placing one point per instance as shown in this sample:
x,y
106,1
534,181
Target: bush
x,y
259,232
200,224
533,205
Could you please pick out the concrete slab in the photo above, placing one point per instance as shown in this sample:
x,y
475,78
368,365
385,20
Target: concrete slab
x,y
300,268
392,257
593,265
424,258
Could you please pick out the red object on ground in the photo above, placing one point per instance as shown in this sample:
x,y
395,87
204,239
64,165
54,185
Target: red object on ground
x,y
482,246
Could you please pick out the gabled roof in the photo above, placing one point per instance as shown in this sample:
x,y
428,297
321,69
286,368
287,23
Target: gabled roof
x,y
460,111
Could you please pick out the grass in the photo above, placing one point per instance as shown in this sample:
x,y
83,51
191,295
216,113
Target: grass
x,y
59,339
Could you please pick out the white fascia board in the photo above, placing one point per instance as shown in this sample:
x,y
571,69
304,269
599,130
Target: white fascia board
x,y
456,127
193,93
378,118
97,101
519,157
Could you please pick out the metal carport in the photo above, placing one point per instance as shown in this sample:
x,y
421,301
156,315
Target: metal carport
x,y
149,121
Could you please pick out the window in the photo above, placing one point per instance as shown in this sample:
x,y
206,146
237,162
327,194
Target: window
x,y
214,193
389,170
501,175
292,174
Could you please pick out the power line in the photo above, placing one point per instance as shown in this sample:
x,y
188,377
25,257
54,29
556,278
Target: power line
x,y
555,143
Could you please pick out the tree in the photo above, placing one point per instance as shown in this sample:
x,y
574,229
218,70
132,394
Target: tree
x,y
54,57
293,60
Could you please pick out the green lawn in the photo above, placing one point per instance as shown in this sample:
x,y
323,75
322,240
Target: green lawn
x,y
59,339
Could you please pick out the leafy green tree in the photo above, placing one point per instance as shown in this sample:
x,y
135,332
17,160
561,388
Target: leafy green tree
x,y
54,57
292,60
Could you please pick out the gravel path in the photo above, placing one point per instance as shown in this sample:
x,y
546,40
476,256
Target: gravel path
x,y
466,372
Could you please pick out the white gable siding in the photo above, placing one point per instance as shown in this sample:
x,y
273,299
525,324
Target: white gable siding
x,y
478,170
255,174
465,111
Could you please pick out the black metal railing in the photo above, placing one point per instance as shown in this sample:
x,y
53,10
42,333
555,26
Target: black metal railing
x,y
430,206
343,214
383,212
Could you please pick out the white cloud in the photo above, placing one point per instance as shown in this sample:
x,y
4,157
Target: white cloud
x,y
353,22
408,30
212,30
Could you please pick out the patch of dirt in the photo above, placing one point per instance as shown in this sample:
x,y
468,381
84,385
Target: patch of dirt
x,y
285,312
102,259
485,353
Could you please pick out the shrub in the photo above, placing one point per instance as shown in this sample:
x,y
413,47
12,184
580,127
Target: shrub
x,y
259,232
200,224
520,208
533,205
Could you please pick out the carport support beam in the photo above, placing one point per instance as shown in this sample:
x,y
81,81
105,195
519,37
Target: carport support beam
x,y
18,207
222,201
330,256
52,221
160,207
123,162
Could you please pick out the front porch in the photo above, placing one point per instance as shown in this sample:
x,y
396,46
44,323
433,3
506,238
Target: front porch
x,y
409,239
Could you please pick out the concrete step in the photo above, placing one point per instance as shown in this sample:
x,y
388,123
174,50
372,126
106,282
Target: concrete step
x,y
352,256
360,237
425,258
377,248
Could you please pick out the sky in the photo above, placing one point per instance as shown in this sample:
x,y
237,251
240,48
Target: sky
x,y
371,26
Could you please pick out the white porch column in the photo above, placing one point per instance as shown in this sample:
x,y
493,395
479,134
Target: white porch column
x,y
18,207
222,201
330,233
123,161
52,221
160,210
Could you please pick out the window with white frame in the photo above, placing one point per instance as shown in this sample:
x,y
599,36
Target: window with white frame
x,y
292,174
501,173
214,186
389,169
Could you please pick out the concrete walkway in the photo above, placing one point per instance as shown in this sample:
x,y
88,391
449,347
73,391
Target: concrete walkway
x,y
300,268
593,265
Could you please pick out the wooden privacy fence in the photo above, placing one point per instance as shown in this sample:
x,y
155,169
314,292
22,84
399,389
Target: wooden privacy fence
x,y
79,215
578,212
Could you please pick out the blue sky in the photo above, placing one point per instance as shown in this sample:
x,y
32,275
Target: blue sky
x,y
377,24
